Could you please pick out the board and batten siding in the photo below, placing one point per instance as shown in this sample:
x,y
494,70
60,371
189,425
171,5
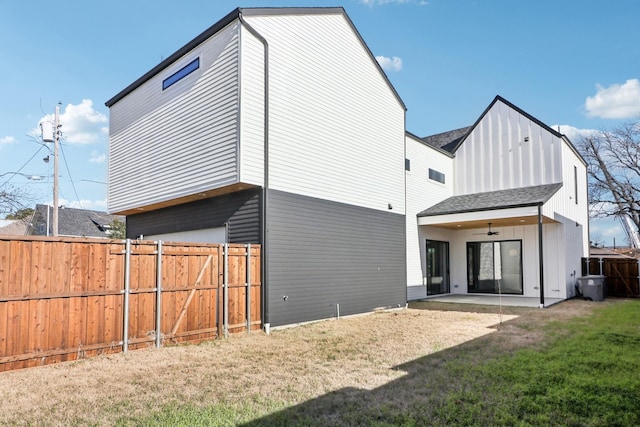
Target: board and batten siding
x,y
166,144
423,193
336,125
496,156
324,253
240,211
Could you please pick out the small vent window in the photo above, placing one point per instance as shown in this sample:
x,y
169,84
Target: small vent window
x,y
407,164
181,73
434,175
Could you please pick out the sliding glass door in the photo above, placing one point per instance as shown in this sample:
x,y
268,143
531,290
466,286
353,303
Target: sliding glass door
x,y
437,267
495,267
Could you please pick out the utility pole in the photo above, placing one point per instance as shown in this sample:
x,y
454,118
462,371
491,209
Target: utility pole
x,y
50,134
56,142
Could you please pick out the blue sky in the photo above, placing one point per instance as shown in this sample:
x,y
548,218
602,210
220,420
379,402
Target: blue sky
x,y
574,64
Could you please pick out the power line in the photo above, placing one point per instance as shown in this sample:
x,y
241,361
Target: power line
x,y
22,167
73,184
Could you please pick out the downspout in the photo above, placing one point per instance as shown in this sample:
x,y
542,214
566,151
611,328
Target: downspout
x,y
265,253
540,255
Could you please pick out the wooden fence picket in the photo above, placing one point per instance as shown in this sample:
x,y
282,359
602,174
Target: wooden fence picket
x,y
63,298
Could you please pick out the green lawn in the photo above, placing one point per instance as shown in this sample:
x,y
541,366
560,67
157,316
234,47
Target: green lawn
x,y
585,372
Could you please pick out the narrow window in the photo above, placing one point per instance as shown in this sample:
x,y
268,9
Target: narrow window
x,y
181,73
407,164
436,176
575,184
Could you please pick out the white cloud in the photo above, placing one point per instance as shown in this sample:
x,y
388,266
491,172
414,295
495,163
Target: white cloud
x,y
94,205
81,124
618,101
574,134
390,64
7,140
97,158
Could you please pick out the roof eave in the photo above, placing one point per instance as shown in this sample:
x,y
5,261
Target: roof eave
x,y
176,55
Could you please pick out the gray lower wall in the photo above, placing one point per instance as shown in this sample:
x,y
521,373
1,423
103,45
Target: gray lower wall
x,y
323,253
240,210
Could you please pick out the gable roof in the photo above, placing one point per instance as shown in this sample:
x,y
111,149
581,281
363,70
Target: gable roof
x,y
237,14
72,222
491,200
452,140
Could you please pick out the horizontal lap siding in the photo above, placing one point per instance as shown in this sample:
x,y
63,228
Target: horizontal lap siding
x,y
423,193
336,128
240,210
166,144
252,105
325,253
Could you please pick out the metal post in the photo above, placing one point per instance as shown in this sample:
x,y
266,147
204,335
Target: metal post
x,y
541,256
159,295
588,264
600,263
225,290
127,287
638,275
56,142
249,288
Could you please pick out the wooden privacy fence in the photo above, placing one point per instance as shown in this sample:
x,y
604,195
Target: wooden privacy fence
x,y
622,275
66,299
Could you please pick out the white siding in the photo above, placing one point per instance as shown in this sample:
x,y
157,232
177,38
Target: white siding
x,y
336,127
422,193
166,144
571,210
496,156
554,282
252,90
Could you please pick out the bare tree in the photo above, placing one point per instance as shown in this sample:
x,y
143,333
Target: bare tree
x,y
613,159
12,200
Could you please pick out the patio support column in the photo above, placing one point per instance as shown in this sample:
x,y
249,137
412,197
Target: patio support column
x,y
540,256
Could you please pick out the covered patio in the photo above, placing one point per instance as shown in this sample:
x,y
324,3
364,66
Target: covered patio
x,y
497,246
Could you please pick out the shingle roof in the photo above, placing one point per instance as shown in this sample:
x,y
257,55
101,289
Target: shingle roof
x,y
501,199
73,222
449,140
13,227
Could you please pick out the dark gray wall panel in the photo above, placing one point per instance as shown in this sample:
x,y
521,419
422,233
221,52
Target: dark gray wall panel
x,y
241,210
323,253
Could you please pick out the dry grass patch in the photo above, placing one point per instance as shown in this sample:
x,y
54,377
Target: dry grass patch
x,y
381,352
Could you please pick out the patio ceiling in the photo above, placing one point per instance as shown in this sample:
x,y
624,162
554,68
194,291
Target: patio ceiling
x,y
495,222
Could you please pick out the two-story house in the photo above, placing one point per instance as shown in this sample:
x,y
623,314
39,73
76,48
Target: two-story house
x,y
499,207
277,126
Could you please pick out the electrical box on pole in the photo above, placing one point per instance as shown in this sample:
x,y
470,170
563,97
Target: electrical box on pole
x,y
46,128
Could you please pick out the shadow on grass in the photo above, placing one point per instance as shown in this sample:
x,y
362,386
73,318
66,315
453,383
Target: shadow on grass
x,y
487,381
418,397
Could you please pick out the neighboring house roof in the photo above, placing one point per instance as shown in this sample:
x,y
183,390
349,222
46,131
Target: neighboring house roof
x,y
501,199
73,222
606,253
232,16
448,141
13,227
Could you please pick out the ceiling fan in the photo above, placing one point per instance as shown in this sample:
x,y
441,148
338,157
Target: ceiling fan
x,y
489,233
